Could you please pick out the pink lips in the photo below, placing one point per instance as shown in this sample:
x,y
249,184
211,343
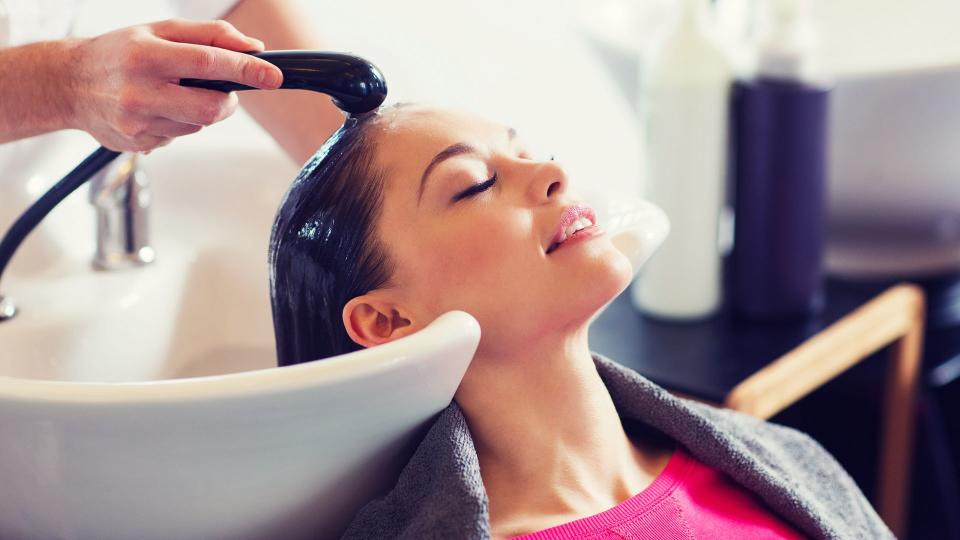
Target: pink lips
x,y
570,215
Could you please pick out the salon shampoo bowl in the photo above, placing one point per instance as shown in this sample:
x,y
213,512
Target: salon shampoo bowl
x,y
274,453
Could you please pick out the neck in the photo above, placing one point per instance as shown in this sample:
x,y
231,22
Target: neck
x,y
547,433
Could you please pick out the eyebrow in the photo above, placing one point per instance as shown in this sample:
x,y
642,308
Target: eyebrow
x,y
455,149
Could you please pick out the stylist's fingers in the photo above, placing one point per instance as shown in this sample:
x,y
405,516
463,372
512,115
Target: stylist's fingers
x,y
166,128
194,105
201,62
214,33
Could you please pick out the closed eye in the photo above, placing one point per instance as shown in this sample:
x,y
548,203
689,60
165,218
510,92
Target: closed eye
x,y
476,189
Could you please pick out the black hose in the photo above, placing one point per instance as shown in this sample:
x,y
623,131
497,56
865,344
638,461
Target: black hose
x,y
355,85
68,184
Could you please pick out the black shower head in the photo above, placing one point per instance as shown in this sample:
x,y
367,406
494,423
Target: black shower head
x,y
355,85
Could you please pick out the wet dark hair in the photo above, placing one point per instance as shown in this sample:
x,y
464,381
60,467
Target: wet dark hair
x,y
323,248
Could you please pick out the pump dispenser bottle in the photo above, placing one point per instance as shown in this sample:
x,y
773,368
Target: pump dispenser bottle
x,y
779,129
684,104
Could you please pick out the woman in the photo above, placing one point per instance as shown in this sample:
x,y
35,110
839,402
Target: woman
x,y
412,212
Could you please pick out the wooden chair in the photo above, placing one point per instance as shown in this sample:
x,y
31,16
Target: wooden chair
x,y
895,317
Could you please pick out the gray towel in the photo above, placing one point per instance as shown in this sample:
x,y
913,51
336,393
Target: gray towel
x,y
440,494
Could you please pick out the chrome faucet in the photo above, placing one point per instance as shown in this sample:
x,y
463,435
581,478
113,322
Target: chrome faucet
x,y
120,193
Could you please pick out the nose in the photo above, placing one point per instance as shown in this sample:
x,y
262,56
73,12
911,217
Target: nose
x,y
548,180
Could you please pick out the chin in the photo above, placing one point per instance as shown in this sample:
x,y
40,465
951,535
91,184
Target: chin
x,y
618,273
609,277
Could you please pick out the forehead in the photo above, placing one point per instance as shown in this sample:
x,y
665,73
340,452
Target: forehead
x,y
408,137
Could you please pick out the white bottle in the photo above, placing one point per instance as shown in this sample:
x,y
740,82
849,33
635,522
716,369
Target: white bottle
x,y
684,103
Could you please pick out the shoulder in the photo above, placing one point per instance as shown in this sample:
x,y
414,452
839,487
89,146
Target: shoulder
x,y
638,396
807,467
790,470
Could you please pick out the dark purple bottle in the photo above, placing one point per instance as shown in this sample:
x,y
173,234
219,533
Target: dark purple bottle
x,y
779,129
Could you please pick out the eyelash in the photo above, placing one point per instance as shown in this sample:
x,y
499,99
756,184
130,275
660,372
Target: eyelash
x,y
476,189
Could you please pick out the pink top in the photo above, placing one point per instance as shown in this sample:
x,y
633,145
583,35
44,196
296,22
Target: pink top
x,y
687,500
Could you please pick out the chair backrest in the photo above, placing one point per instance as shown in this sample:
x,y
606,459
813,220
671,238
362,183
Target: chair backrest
x,y
893,318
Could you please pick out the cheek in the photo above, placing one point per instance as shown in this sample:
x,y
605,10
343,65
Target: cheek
x,y
483,251
463,263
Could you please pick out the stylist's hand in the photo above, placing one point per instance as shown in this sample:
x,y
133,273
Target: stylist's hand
x,y
125,89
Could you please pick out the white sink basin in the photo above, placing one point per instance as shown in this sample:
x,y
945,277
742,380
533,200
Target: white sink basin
x,y
199,309
271,453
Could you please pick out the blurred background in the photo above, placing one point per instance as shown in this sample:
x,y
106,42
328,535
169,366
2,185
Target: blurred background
x,y
570,76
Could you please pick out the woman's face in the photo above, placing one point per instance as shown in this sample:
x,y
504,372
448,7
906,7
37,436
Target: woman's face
x,y
470,221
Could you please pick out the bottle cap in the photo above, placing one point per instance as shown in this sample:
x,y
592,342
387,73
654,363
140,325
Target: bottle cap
x,y
787,40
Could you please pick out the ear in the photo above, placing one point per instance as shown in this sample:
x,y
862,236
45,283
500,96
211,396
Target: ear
x,y
371,320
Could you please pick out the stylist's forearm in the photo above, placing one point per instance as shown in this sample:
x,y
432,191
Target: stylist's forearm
x,y
34,89
299,120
